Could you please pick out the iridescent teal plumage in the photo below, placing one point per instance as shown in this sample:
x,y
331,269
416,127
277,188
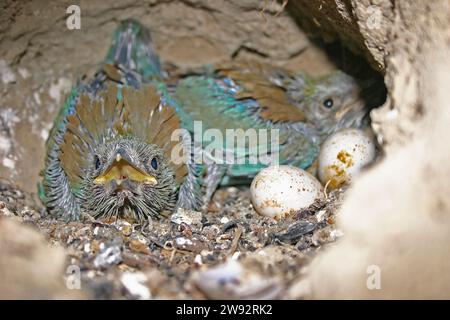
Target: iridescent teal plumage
x,y
132,49
213,101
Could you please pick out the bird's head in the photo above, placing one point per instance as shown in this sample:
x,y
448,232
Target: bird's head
x,y
129,178
330,103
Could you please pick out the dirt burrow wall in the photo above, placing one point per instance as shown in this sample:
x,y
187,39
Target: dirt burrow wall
x,y
396,218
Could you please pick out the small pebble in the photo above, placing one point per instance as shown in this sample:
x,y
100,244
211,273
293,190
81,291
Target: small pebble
x,y
134,283
295,231
326,235
231,280
193,245
139,246
198,260
109,256
224,220
188,217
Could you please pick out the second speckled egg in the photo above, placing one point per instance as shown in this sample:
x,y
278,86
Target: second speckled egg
x,y
343,155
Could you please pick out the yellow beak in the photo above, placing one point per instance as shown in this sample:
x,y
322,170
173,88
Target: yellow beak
x,y
121,170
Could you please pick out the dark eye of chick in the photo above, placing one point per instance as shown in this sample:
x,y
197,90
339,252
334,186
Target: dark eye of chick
x,y
96,162
328,103
154,163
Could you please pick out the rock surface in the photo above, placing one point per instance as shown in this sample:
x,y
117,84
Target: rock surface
x,y
396,218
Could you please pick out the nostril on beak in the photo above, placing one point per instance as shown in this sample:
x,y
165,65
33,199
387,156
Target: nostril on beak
x,y
119,154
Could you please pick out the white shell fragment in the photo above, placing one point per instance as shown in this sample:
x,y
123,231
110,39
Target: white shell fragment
x,y
343,155
191,218
134,283
232,280
278,191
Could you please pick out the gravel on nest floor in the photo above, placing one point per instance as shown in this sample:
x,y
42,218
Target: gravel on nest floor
x,y
227,252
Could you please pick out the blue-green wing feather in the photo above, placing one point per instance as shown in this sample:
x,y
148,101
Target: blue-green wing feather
x,y
215,102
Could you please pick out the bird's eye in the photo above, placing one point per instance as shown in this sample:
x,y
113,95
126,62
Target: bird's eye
x,y
96,162
328,103
154,163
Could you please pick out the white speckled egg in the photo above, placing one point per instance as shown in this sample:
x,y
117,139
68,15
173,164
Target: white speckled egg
x,y
343,155
278,191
